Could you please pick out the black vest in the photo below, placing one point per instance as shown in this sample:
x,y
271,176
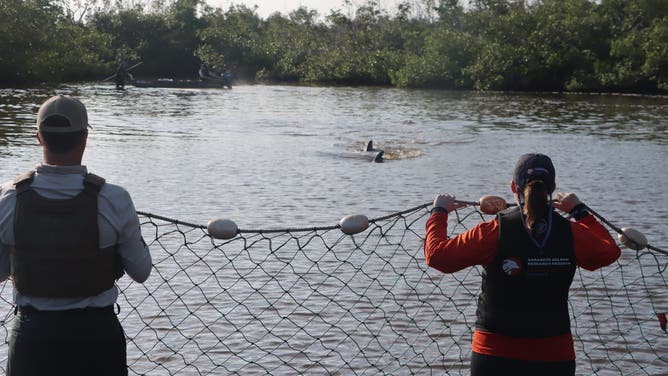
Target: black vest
x,y
525,288
57,252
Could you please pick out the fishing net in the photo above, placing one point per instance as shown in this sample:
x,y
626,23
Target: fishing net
x,y
316,301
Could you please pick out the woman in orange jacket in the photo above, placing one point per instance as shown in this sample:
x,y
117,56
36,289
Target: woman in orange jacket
x,y
529,255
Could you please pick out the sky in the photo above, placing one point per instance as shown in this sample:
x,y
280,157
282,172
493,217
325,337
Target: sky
x,y
267,7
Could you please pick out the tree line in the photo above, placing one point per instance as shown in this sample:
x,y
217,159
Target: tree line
x,y
531,45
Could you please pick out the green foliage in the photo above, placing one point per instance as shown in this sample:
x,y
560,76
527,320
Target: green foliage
x,y
232,40
576,45
40,43
655,67
504,58
440,66
290,43
637,58
164,41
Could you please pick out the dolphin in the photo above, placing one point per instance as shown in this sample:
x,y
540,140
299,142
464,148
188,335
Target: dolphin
x,y
379,157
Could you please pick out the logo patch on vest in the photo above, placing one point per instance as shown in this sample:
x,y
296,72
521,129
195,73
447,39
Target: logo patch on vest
x,y
511,266
547,266
540,228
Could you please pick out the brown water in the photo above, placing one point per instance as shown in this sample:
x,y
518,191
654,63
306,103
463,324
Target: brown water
x,y
291,156
272,157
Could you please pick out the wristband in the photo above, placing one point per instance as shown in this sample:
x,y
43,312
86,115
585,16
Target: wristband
x,y
579,211
438,209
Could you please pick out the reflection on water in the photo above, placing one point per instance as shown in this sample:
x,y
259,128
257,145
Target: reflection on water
x,y
628,117
18,109
292,156
392,150
286,156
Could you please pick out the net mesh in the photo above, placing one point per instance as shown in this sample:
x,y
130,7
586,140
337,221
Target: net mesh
x,y
317,301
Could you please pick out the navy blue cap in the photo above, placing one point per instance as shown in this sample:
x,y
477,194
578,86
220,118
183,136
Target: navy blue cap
x,y
531,167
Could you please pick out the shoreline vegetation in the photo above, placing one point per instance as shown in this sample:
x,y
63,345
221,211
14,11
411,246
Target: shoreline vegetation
x,y
604,46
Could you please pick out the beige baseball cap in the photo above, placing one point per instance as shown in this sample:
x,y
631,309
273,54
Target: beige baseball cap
x,y
67,107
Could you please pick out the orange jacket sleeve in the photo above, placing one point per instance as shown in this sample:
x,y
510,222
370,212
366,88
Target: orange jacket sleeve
x,y
476,246
593,245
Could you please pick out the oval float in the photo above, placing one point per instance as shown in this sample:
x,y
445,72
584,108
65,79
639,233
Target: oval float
x,y
632,238
492,204
222,228
353,224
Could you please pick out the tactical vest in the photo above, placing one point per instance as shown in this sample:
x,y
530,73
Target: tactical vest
x,y
525,288
57,250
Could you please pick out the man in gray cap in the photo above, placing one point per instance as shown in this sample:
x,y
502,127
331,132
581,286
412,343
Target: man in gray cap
x,y
66,236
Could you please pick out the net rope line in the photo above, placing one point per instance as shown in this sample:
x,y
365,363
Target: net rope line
x,y
317,301
374,220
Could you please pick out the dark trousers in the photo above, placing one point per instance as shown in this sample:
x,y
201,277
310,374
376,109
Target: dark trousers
x,y
120,83
484,365
73,342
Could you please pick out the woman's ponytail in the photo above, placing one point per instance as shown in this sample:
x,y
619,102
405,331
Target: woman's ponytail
x,y
535,202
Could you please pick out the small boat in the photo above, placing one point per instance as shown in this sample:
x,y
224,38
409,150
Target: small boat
x,y
226,81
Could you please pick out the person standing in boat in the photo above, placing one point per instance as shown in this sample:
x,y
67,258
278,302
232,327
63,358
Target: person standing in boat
x,y
206,74
122,74
529,255
226,79
66,236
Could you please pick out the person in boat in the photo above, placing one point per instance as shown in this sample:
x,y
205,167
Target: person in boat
x,y
122,74
206,74
529,255
66,236
226,79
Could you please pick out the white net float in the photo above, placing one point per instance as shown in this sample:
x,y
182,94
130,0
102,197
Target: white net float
x,y
222,228
353,224
632,238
